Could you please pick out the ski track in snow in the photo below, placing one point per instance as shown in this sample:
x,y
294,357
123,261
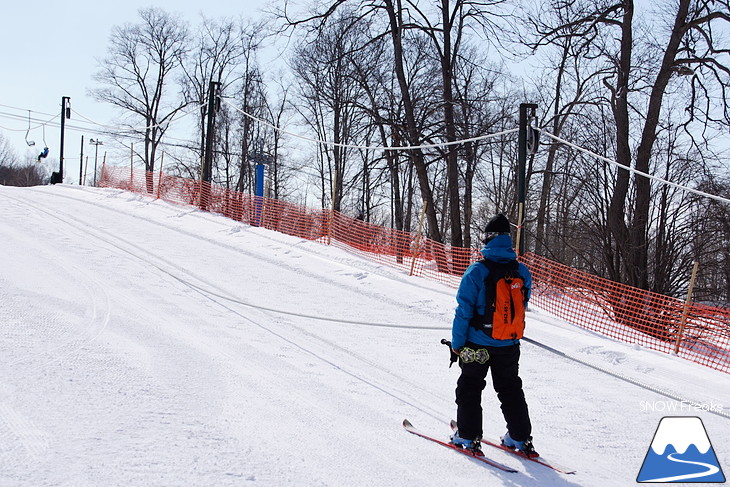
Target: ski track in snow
x,y
136,355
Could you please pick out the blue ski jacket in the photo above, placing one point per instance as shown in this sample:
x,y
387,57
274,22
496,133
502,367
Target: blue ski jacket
x,y
471,296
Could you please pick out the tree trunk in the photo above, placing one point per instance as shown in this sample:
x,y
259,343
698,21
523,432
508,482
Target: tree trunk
x,y
616,261
452,168
396,22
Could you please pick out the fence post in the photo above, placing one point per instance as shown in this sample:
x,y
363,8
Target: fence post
x,y
521,207
686,308
418,238
159,180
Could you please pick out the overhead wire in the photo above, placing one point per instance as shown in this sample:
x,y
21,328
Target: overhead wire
x,y
369,147
139,128
636,171
23,118
110,129
120,131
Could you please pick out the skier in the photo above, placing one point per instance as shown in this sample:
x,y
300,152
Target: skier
x,y
479,352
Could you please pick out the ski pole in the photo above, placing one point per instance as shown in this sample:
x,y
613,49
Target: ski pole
x,y
454,356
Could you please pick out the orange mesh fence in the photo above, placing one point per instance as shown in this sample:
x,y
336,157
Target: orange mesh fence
x,y
621,312
630,314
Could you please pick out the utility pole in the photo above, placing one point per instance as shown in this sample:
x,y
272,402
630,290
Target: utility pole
x,y
95,143
81,161
527,112
65,113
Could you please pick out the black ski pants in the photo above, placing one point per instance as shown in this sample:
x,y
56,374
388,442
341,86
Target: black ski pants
x,y
504,364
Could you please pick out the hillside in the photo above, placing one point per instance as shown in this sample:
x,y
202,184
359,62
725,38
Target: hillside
x,y
150,344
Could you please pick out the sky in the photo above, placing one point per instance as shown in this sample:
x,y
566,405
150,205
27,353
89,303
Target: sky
x,y
50,50
145,344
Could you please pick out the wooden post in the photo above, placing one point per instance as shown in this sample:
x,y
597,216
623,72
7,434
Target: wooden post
x,y
418,238
686,308
519,228
159,181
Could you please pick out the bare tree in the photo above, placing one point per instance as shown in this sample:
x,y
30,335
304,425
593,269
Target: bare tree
x,y
331,96
213,57
250,98
276,166
711,243
640,74
138,72
480,107
7,154
13,173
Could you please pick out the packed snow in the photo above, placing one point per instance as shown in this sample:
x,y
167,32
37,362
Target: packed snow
x,y
148,344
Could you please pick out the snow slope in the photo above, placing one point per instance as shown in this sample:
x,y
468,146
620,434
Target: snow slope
x,y
148,344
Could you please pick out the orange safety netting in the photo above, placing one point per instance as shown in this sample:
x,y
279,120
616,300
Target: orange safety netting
x,y
615,310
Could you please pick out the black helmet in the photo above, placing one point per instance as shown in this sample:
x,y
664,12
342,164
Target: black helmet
x,y
499,225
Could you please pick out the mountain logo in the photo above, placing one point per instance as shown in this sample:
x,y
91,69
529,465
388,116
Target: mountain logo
x,y
681,452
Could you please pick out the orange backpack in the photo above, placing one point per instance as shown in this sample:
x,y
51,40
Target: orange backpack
x,y
505,313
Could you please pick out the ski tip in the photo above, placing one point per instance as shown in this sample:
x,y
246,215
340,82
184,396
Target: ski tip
x,y
407,424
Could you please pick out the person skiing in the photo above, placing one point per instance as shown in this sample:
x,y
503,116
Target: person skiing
x,y
481,346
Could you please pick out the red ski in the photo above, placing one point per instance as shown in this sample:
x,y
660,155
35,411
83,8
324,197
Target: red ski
x,y
539,459
409,428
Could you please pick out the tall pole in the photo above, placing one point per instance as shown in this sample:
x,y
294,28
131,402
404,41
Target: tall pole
x,y
210,130
527,111
65,113
96,143
81,161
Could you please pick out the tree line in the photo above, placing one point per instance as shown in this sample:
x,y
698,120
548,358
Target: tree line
x,y
14,172
644,87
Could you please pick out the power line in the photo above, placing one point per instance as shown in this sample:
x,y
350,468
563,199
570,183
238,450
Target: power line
x,y
635,171
369,147
24,119
125,132
107,129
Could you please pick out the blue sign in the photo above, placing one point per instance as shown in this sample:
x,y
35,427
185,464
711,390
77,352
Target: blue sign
x,y
259,197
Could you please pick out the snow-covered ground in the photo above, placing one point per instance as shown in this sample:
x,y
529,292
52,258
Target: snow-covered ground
x,y
148,344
